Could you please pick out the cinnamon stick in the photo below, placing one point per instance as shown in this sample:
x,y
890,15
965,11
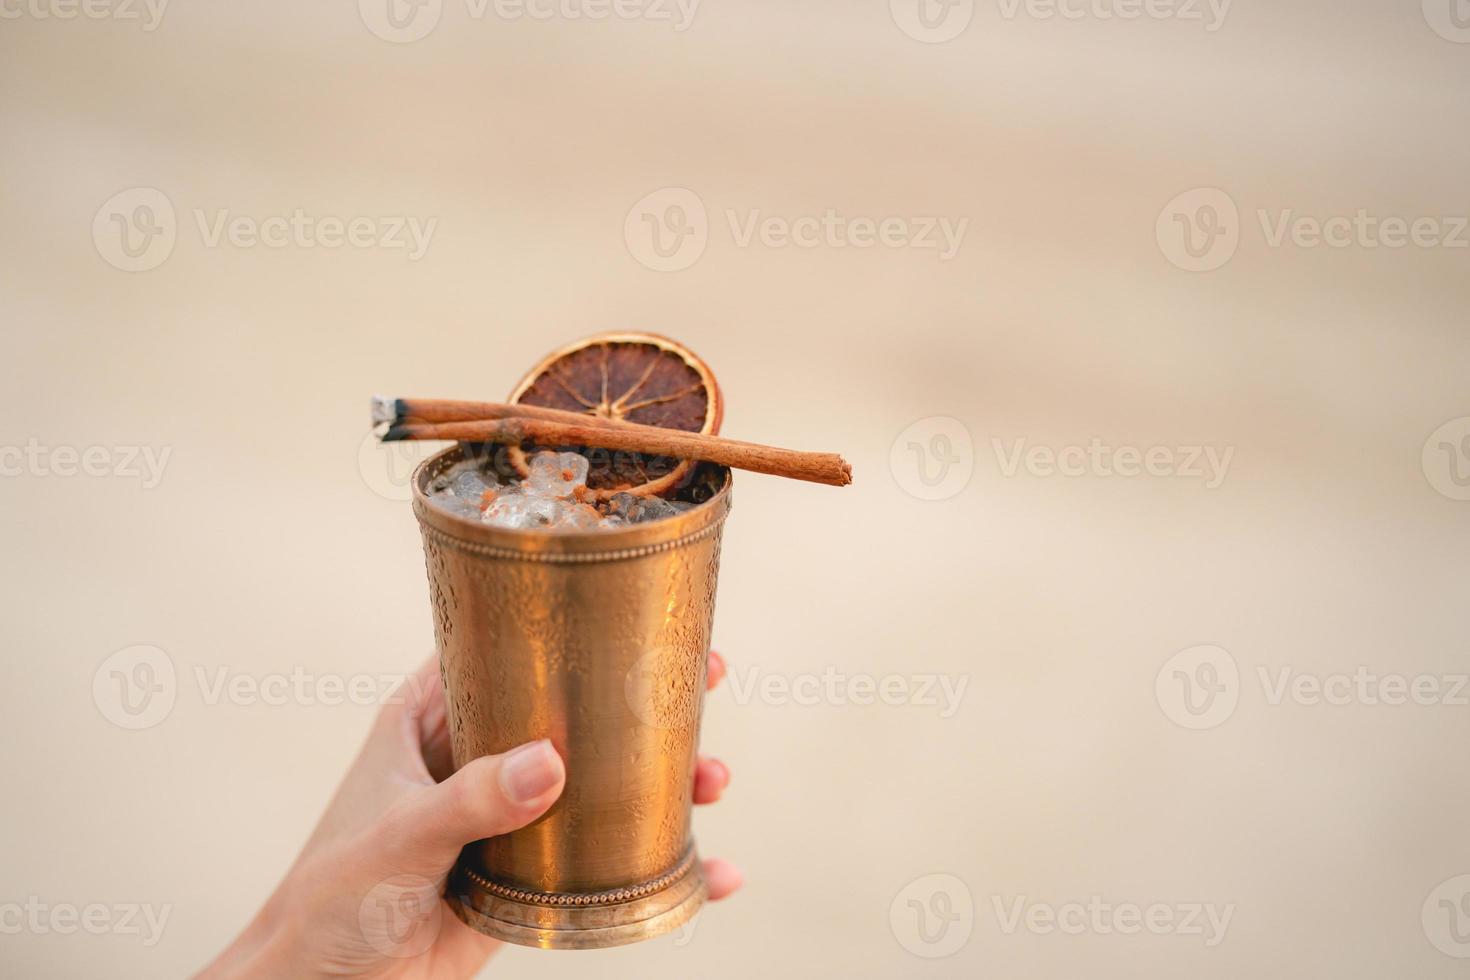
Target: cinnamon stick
x,y
515,424
401,410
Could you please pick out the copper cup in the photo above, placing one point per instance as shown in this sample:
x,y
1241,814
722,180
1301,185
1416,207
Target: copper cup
x,y
597,641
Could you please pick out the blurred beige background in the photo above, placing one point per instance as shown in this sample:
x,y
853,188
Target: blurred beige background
x,y
1137,728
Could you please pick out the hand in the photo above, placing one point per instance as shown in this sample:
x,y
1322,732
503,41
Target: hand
x,y
363,898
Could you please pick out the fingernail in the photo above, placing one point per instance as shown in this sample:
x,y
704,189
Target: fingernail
x,y
529,771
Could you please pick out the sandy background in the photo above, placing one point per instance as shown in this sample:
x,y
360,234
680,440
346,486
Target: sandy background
x,y
275,539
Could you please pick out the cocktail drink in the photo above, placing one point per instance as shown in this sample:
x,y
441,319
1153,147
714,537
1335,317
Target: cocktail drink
x,y
570,603
572,539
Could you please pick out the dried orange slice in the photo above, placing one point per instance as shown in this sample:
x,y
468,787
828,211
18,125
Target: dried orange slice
x,y
636,377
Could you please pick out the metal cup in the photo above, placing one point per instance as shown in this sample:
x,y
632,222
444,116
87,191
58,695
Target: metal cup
x,y
597,641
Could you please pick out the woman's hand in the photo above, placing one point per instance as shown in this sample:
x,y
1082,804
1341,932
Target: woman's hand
x,y
363,898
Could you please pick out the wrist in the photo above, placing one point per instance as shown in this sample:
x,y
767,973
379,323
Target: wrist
x,y
267,948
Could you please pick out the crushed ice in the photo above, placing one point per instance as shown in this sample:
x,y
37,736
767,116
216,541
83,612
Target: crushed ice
x,y
550,497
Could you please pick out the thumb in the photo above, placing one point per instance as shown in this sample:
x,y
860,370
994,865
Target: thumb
x,y
491,795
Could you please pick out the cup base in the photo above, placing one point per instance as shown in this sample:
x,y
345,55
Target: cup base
x,y
578,921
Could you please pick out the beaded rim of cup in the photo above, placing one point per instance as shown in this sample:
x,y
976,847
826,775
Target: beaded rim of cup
x,y
610,897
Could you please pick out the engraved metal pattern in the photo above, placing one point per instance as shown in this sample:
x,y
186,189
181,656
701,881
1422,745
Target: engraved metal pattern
x,y
603,651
